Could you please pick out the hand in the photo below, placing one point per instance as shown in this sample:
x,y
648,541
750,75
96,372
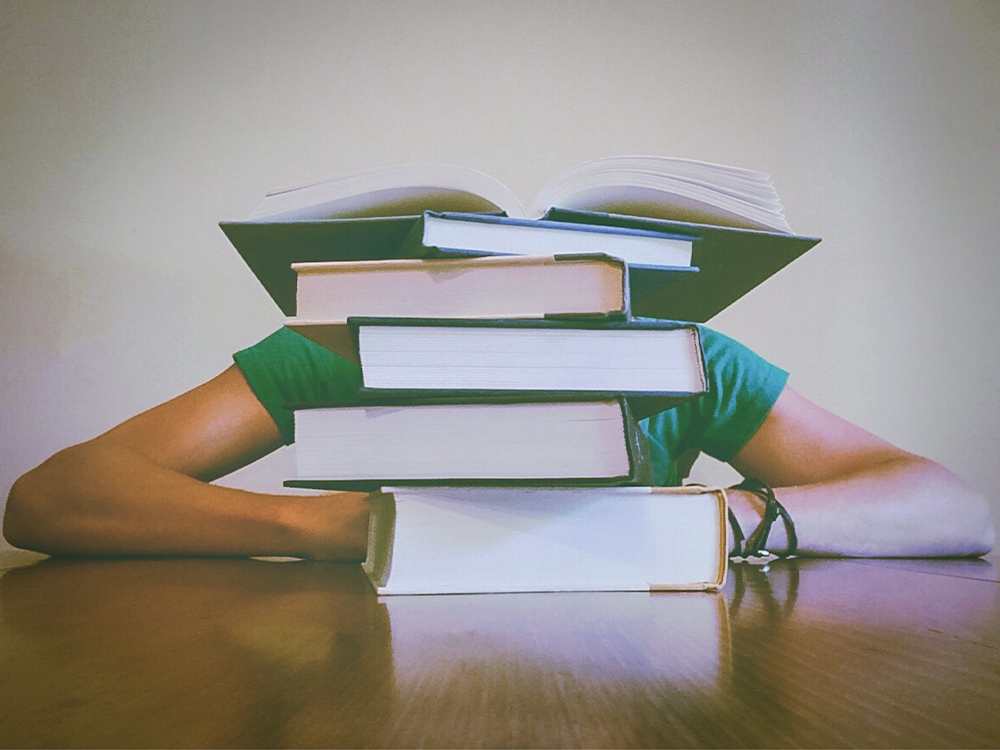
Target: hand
x,y
332,526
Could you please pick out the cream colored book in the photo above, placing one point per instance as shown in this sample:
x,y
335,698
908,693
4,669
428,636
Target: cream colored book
x,y
327,293
465,540
485,442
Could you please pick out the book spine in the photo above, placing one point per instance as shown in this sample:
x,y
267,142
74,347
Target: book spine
x,y
638,448
381,536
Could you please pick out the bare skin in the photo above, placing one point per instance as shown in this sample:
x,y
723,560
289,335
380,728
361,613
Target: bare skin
x,y
851,493
143,488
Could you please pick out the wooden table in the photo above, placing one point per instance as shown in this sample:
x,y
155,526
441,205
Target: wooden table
x,y
248,653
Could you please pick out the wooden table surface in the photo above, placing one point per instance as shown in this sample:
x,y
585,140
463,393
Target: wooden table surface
x,y
248,653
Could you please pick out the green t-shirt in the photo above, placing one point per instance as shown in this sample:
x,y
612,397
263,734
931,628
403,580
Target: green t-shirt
x,y
287,368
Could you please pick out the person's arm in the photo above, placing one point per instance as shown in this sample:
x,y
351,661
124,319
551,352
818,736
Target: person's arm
x,y
851,493
142,489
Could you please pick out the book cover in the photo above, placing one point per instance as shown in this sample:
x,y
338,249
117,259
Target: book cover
x,y
450,540
451,233
477,441
731,262
368,216
571,286
409,358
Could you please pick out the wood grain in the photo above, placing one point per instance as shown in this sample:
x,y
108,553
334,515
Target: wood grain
x,y
246,653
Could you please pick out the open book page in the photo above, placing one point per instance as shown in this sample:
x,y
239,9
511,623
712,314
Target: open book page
x,y
650,186
404,190
662,188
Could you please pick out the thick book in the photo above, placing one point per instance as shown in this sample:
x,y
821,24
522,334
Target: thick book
x,y
446,234
463,540
501,441
512,286
655,363
356,219
642,185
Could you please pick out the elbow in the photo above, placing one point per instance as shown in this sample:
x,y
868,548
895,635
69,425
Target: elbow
x,y
944,515
967,511
19,525
34,509
984,531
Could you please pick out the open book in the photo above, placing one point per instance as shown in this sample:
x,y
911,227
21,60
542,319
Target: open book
x,y
733,216
651,186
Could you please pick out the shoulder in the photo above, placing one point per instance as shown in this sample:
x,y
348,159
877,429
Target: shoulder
x,y
286,368
742,389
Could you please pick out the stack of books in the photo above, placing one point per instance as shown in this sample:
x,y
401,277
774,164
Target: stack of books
x,y
504,365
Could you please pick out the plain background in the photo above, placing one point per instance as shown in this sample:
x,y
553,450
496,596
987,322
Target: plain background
x,y
128,130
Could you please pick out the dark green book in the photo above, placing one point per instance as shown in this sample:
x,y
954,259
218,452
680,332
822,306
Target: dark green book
x,y
332,220
729,261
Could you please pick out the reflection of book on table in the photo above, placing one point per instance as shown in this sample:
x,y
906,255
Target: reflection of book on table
x,y
436,540
368,217
616,639
540,442
428,357
487,287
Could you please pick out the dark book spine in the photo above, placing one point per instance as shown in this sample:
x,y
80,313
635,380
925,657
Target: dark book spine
x,y
637,445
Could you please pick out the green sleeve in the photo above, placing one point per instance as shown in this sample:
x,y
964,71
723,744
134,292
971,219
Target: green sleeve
x,y
743,387
288,368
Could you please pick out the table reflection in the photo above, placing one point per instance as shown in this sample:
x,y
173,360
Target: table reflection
x,y
182,652
141,653
836,652
585,669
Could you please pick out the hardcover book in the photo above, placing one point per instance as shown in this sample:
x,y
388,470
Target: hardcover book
x,y
655,363
502,441
446,234
368,217
730,262
588,286
464,540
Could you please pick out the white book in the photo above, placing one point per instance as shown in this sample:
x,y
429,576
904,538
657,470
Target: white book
x,y
328,292
590,442
653,186
463,540
528,355
452,233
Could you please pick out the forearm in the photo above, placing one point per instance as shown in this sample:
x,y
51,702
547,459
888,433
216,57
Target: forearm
x,y
97,499
906,507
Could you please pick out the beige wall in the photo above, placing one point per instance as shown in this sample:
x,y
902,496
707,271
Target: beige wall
x,y
129,129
